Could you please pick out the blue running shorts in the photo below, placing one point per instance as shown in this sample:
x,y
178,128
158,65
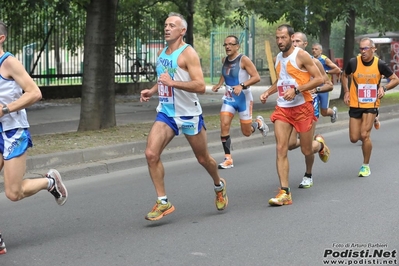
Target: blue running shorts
x,y
15,142
242,103
188,125
324,99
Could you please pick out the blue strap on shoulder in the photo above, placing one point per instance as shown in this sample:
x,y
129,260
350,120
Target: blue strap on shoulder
x,y
4,57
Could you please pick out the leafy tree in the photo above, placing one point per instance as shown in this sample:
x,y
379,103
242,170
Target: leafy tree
x,y
213,11
315,17
311,17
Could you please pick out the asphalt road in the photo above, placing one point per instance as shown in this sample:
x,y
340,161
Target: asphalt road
x,y
103,221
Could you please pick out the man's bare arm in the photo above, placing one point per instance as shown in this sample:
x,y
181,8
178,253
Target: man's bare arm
x,y
327,85
334,69
313,70
251,70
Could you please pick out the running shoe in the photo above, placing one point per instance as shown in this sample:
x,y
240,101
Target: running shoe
x,y
307,182
263,128
335,114
377,123
364,171
221,200
227,163
58,190
3,249
160,210
281,199
324,154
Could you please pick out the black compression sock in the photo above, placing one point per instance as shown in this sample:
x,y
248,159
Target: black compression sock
x,y
226,143
322,146
287,189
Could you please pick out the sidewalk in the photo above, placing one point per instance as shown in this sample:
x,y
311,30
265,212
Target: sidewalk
x,y
48,118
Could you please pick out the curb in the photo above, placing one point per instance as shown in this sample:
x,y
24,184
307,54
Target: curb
x,y
107,159
100,160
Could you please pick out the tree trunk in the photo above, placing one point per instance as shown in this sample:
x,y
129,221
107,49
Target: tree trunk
x,y
98,88
57,48
190,22
324,36
349,41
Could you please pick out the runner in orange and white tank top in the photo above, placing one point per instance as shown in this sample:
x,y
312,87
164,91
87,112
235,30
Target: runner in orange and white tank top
x,y
294,108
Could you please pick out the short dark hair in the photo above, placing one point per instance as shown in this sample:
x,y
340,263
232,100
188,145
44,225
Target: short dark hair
x,y
289,28
235,37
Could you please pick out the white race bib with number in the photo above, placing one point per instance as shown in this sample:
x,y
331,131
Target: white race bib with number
x,y
165,93
283,85
367,93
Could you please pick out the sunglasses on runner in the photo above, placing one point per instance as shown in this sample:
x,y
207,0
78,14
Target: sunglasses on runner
x,y
365,48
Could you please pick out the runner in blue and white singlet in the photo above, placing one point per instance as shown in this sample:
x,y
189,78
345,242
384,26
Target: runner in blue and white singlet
x,y
180,109
16,143
174,102
233,75
180,78
330,68
238,74
17,92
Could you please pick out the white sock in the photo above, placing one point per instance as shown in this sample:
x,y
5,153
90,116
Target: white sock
x,y
163,199
50,183
218,188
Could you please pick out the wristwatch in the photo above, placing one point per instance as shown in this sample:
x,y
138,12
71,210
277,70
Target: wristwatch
x,y
5,110
243,86
318,89
296,91
385,88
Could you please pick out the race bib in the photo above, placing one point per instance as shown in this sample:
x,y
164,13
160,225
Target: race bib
x,y
367,93
283,85
228,94
165,93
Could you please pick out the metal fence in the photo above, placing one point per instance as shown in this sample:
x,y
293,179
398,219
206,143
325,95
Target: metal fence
x,y
51,47
252,44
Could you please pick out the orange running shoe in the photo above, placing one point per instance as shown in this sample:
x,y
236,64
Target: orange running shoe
x,y
221,200
324,154
160,210
227,163
281,199
377,123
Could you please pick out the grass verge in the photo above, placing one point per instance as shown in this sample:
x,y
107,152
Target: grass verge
x,y
45,144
